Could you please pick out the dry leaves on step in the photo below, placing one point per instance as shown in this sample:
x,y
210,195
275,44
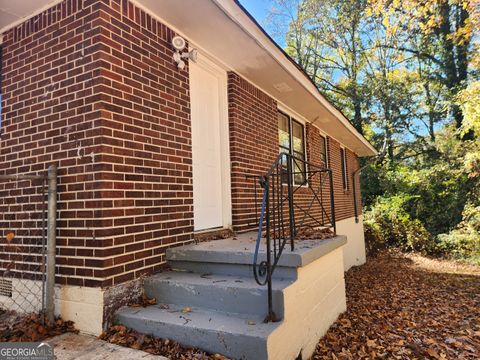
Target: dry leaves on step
x,y
126,337
144,302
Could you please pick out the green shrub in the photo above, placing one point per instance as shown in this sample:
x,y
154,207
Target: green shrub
x,y
387,224
464,241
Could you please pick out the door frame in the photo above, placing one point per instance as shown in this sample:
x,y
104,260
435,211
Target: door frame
x,y
208,64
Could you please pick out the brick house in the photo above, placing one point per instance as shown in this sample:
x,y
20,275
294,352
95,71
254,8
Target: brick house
x,y
151,153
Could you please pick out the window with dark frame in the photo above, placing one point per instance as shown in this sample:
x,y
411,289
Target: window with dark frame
x,y
343,160
323,152
291,140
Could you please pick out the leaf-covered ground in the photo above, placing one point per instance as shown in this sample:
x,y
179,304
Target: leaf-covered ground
x,y
16,327
407,307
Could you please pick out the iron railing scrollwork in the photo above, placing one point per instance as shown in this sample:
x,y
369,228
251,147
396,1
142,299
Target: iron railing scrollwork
x,y
297,196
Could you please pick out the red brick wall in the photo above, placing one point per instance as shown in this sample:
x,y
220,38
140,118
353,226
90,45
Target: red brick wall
x,y
254,147
147,143
50,116
343,198
90,86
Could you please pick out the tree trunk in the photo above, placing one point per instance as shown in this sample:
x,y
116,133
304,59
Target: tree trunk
x,y
462,66
357,118
455,55
389,143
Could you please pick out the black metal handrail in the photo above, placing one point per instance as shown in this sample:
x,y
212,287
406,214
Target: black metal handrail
x,y
282,201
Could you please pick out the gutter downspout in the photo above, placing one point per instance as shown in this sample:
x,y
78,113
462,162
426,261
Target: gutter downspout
x,y
355,207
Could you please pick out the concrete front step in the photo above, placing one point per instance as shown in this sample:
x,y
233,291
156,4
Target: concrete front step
x,y
230,294
227,307
221,268
234,256
241,337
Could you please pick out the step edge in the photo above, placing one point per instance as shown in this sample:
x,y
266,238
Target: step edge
x,y
289,260
123,312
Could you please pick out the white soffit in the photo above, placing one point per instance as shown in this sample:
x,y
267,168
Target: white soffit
x,y
14,12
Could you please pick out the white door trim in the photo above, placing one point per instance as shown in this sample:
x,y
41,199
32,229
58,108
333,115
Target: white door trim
x,y
218,71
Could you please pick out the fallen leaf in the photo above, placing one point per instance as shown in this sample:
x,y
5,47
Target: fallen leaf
x,y
371,343
433,353
29,328
41,329
10,236
123,336
151,301
119,328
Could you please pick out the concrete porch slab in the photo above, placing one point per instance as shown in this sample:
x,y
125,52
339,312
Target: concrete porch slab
x,y
241,249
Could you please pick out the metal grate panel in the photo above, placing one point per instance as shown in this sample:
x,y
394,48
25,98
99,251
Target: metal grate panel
x,y
6,287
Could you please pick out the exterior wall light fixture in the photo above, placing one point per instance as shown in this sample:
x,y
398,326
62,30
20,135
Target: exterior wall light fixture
x,y
179,44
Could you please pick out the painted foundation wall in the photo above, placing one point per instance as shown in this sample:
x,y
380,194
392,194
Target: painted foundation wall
x,y
312,304
80,304
83,306
92,308
89,308
354,250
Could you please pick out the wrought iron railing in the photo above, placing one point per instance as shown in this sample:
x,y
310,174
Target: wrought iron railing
x,y
297,196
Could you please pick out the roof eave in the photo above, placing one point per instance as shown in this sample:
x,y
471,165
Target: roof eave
x,y
294,69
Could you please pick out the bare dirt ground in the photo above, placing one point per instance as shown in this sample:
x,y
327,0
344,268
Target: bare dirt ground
x,y
407,307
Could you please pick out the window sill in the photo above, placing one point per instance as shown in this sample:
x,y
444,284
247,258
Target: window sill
x,y
298,186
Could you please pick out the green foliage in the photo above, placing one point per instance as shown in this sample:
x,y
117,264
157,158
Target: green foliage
x,y
440,190
408,77
464,240
387,224
436,194
440,194
469,101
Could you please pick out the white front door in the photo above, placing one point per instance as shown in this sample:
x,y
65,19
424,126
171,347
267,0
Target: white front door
x,y
206,86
